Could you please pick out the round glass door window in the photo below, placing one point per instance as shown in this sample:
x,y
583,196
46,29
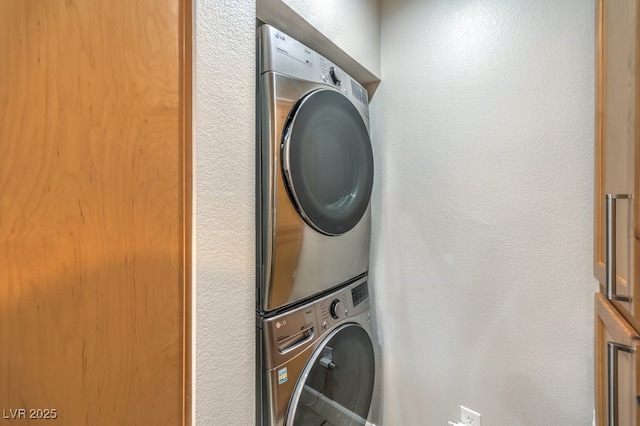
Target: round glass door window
x,y
339,382
328,162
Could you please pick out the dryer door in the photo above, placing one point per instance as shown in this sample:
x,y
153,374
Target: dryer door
x,y
336,386
328,161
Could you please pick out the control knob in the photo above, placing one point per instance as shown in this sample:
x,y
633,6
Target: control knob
x,y
336,75
337,310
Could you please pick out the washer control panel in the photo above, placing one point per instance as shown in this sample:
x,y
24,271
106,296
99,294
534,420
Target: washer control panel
x,y
337,310
294,330
352,301
360,293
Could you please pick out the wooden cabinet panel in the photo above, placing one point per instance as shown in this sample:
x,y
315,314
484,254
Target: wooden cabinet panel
x,y
616,152
612,331
92,211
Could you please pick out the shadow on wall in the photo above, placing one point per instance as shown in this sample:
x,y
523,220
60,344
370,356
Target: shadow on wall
x,y
379,188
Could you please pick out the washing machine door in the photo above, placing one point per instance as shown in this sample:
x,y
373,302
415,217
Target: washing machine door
x,y
328,161
336,386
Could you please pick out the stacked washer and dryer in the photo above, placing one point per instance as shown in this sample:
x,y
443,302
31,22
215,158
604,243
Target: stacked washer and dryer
x,y
316,360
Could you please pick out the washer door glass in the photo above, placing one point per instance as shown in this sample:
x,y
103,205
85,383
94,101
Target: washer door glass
x,y
328,161
339,382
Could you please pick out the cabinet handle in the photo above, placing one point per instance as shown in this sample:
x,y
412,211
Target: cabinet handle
x,y
612,379
610,247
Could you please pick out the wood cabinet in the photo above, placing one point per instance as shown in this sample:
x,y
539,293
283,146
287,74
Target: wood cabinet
x,y
616,231
617,367
617,157
94,212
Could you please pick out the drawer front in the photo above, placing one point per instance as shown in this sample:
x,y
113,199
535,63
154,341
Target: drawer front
x,y
617,367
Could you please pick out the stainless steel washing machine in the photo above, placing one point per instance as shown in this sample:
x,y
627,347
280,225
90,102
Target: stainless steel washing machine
x,y
314,174
317,362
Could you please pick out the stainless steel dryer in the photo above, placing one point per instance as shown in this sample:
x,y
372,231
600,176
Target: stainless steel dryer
x,y
314,173
317,362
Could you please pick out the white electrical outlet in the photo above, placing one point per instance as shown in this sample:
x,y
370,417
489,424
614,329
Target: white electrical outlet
x,y
469,417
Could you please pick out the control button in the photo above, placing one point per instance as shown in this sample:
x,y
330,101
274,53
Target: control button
x,y
324,78
336,309
325,325
336,75
346,312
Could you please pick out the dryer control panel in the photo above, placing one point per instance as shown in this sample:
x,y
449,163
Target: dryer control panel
x,y
283,54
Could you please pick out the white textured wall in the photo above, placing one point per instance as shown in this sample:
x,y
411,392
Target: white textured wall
x,y
353,25
483,138
224,258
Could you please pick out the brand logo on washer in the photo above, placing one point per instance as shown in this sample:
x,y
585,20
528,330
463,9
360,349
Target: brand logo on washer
x,y
282,375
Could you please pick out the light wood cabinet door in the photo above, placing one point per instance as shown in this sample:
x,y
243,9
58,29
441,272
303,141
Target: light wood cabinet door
x,y
617,156
94,200
617,367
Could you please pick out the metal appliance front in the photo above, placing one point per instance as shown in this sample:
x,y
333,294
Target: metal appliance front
x,y
295,260
315,366
336,386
